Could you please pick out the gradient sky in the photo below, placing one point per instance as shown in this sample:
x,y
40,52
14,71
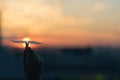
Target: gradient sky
x,y
63,22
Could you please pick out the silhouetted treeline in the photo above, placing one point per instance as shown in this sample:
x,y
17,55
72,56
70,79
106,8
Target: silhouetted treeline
x,y
77,51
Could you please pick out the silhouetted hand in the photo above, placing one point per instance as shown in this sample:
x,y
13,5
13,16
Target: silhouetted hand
x,y
27,44
32,65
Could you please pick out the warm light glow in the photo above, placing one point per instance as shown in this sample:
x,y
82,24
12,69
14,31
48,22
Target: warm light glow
x,y
58,24
26,39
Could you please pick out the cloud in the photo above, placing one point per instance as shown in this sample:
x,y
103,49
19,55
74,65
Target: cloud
x,y
61,2
100,6
37,16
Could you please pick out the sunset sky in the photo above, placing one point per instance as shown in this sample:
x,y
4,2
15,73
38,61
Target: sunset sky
x,y
66,23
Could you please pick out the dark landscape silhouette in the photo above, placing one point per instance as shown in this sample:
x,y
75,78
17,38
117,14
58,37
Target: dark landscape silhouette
x,y
65,63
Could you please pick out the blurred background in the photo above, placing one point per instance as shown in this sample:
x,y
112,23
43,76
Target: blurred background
x,y
80,38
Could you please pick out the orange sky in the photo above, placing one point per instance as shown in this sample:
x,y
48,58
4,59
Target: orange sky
x,y
62,22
